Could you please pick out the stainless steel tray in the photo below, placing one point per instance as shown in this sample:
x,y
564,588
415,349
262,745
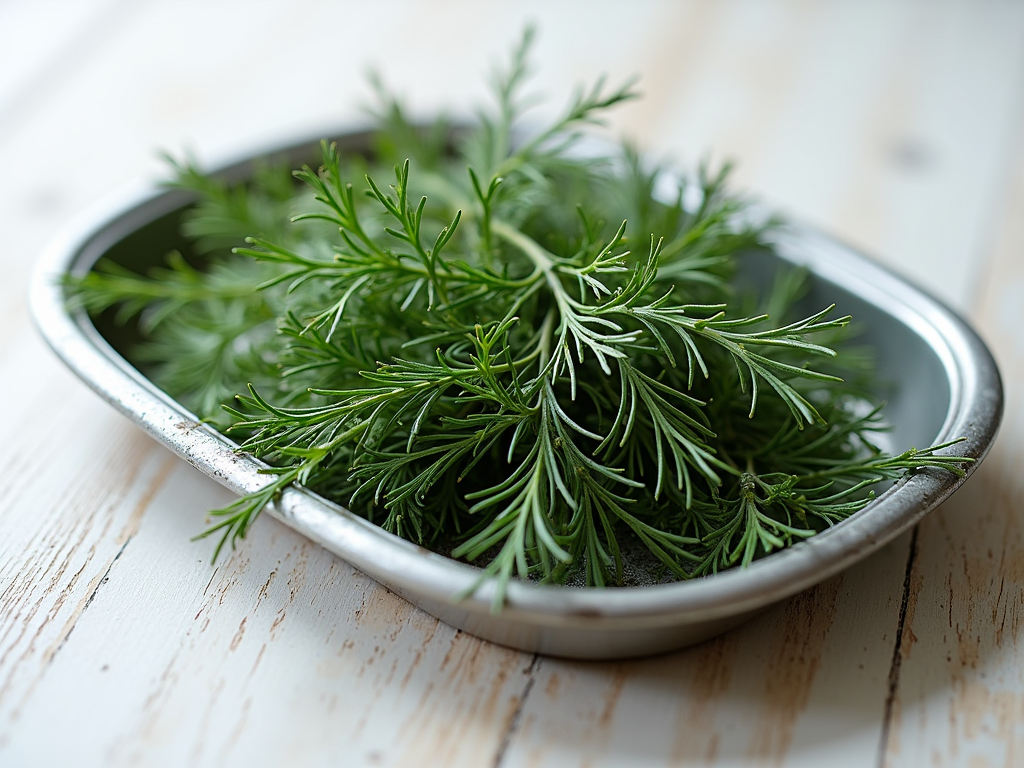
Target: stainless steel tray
x,y
945,385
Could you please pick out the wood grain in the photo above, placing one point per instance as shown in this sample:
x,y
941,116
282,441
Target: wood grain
x,y
200,668
961,682
764,693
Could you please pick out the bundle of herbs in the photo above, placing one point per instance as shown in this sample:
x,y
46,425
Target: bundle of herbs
x,y
516,353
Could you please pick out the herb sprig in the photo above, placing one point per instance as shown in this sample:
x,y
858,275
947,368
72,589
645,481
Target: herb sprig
x,y
514,352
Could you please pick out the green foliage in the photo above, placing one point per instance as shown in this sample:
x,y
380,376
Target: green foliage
x,y
513,352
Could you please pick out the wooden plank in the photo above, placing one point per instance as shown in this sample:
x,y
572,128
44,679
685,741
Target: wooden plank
x,y
961,684
70,508
281,655
762,694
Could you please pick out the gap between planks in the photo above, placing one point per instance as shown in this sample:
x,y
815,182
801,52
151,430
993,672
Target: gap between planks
x,y
897,654
514,721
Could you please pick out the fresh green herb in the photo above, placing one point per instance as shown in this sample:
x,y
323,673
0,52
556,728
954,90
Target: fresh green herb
x,y
515,352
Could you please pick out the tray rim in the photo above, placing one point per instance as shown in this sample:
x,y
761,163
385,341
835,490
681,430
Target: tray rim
x,y
424,577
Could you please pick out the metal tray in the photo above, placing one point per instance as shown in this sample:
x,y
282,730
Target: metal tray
x,y
945,385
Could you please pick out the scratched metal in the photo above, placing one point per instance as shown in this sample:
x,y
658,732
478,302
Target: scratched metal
x,y
944,384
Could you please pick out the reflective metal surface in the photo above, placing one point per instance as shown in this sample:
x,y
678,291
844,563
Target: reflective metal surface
x,y
944,385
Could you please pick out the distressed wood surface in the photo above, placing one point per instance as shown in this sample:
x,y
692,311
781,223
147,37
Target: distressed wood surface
x,y
896,125
961,675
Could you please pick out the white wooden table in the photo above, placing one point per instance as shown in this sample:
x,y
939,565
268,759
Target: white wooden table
x,y
898,126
